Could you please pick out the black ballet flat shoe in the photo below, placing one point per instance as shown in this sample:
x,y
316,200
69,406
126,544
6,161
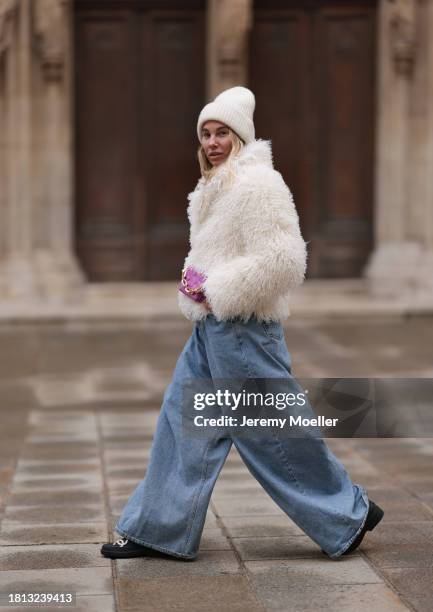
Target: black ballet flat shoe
x,y
126,549
375,515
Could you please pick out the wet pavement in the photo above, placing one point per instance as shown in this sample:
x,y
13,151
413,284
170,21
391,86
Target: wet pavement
x,y
79,403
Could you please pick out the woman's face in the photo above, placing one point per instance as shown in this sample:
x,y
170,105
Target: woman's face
x,y
216,142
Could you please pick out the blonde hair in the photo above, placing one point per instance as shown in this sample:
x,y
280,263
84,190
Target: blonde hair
x,y
207,170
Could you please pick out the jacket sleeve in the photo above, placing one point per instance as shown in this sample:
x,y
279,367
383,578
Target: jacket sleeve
x,y
274,257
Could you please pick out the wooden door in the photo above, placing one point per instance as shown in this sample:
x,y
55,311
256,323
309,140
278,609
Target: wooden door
x,y
312,68
140,85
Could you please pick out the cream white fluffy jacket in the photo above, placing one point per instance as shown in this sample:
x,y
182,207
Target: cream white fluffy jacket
x,y
245,236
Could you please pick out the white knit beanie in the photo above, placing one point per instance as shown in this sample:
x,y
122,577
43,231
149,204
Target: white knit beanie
x,y
235,108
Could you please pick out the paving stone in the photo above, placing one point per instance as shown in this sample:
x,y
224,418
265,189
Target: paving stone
x,y
133,472
94,603
30,469
418,485
61,463
127,439
57,424
426,498
71,481
415,585
10,447
84,603
234,457
75,418
47,438
294,573
122,488
400,544
20,352
347,597
277,548
399,505
194,594
133,453
78,446
213,539
54,514
237,484
147,418
211,520
367,479
407,467
207,563
117,502
82,581
42,452
52,556
11,535
7,463
137,445
46,454
17,395
420,604
234,474
129,427
232,506
124,461
354,461
58,497
260,526
246,487
390,446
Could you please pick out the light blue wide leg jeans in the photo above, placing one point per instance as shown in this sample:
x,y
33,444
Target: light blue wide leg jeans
x,y
167,510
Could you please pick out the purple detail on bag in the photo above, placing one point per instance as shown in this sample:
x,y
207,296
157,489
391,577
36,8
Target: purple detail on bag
x,y
191,284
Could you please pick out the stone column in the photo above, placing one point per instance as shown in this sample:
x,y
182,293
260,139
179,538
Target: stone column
x,y
56,262
425,95
228,24
17,262
7,10
404,134
36,263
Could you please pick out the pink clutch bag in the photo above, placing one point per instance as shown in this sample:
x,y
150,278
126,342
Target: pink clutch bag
x,y
191,284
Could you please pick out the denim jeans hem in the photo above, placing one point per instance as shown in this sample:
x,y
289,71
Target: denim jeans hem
x,y
153,546
357,532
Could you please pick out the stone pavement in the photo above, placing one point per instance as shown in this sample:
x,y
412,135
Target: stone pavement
x,y
78,409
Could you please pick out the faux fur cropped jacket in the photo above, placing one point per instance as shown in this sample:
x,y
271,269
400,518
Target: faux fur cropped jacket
x,y
245,237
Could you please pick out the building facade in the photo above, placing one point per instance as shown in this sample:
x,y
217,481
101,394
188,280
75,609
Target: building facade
x,y
98,106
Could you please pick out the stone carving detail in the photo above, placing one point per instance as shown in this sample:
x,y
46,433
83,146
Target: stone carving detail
x,y
50,32
402,36
8,10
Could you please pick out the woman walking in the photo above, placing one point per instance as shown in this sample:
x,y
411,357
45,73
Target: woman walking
x,y
247,253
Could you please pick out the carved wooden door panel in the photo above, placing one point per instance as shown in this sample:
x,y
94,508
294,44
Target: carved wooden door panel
x,y
312,67
139,83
